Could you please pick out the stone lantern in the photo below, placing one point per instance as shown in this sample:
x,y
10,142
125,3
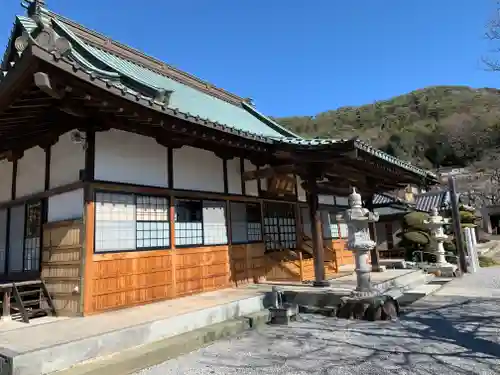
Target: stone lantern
x,y
365,302
435,225
359,242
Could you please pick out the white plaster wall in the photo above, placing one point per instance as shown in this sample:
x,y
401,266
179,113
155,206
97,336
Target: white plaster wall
x,y
66,161
326,199
31,172
233,176
251,187
130,158
5,180
301,193
65,206
197,169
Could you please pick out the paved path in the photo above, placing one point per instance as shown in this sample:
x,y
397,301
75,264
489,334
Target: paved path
x,y
455,331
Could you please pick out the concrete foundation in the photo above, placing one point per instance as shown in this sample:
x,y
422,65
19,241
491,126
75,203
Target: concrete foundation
x,y
46,348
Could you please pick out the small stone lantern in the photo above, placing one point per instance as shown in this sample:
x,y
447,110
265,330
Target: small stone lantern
x,y
435,224
359,242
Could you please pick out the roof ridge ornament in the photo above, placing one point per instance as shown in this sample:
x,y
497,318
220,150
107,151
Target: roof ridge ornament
x,y
33,7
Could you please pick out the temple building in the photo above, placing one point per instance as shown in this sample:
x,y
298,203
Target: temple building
x,y
126,181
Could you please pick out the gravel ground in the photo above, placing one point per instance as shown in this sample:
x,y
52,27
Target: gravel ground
x,y
439,335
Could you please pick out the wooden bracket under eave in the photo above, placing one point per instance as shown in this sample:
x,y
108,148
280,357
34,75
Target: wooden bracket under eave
x,y
42,81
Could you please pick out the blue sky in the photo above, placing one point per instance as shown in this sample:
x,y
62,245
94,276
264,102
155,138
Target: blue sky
x,y
299,57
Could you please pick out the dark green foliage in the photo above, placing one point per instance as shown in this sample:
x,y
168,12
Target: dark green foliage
x,y
415,235
436,126
415,220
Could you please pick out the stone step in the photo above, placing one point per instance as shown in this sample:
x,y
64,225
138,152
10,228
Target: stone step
x,y
417,293
68,347
138,358
399,285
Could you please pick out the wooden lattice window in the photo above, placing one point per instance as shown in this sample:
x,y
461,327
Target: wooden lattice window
x,y
280,231
152,222
32,230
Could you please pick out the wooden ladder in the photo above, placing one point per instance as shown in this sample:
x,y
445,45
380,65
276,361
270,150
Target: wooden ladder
x,y
32,299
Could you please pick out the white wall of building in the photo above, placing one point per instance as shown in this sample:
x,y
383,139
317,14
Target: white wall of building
x,y
251,187
130,158
234,176
65,206
31,172
197,169
5,180
66,161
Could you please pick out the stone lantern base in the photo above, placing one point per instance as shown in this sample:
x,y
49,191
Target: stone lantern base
x,y
369,308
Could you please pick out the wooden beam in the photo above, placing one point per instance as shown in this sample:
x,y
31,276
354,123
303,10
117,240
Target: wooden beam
x,y
268,172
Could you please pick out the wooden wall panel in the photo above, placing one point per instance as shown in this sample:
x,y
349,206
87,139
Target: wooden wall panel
x,y
343,255
201,269
131,278
135,278
62,263
248,263
281,266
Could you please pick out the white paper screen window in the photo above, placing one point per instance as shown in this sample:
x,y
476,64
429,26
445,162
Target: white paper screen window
x,y
214,223
334,225
115,228
344,230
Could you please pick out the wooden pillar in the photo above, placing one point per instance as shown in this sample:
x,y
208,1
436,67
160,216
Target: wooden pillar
x,y
316,234
374,255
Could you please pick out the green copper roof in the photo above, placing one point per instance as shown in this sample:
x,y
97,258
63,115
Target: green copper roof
x,y
184,98
200,107
323,143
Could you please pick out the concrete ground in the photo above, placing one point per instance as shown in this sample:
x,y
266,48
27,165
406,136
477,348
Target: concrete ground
x,y
454,331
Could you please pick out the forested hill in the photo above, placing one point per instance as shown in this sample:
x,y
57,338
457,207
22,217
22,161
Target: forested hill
x,y
435,126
